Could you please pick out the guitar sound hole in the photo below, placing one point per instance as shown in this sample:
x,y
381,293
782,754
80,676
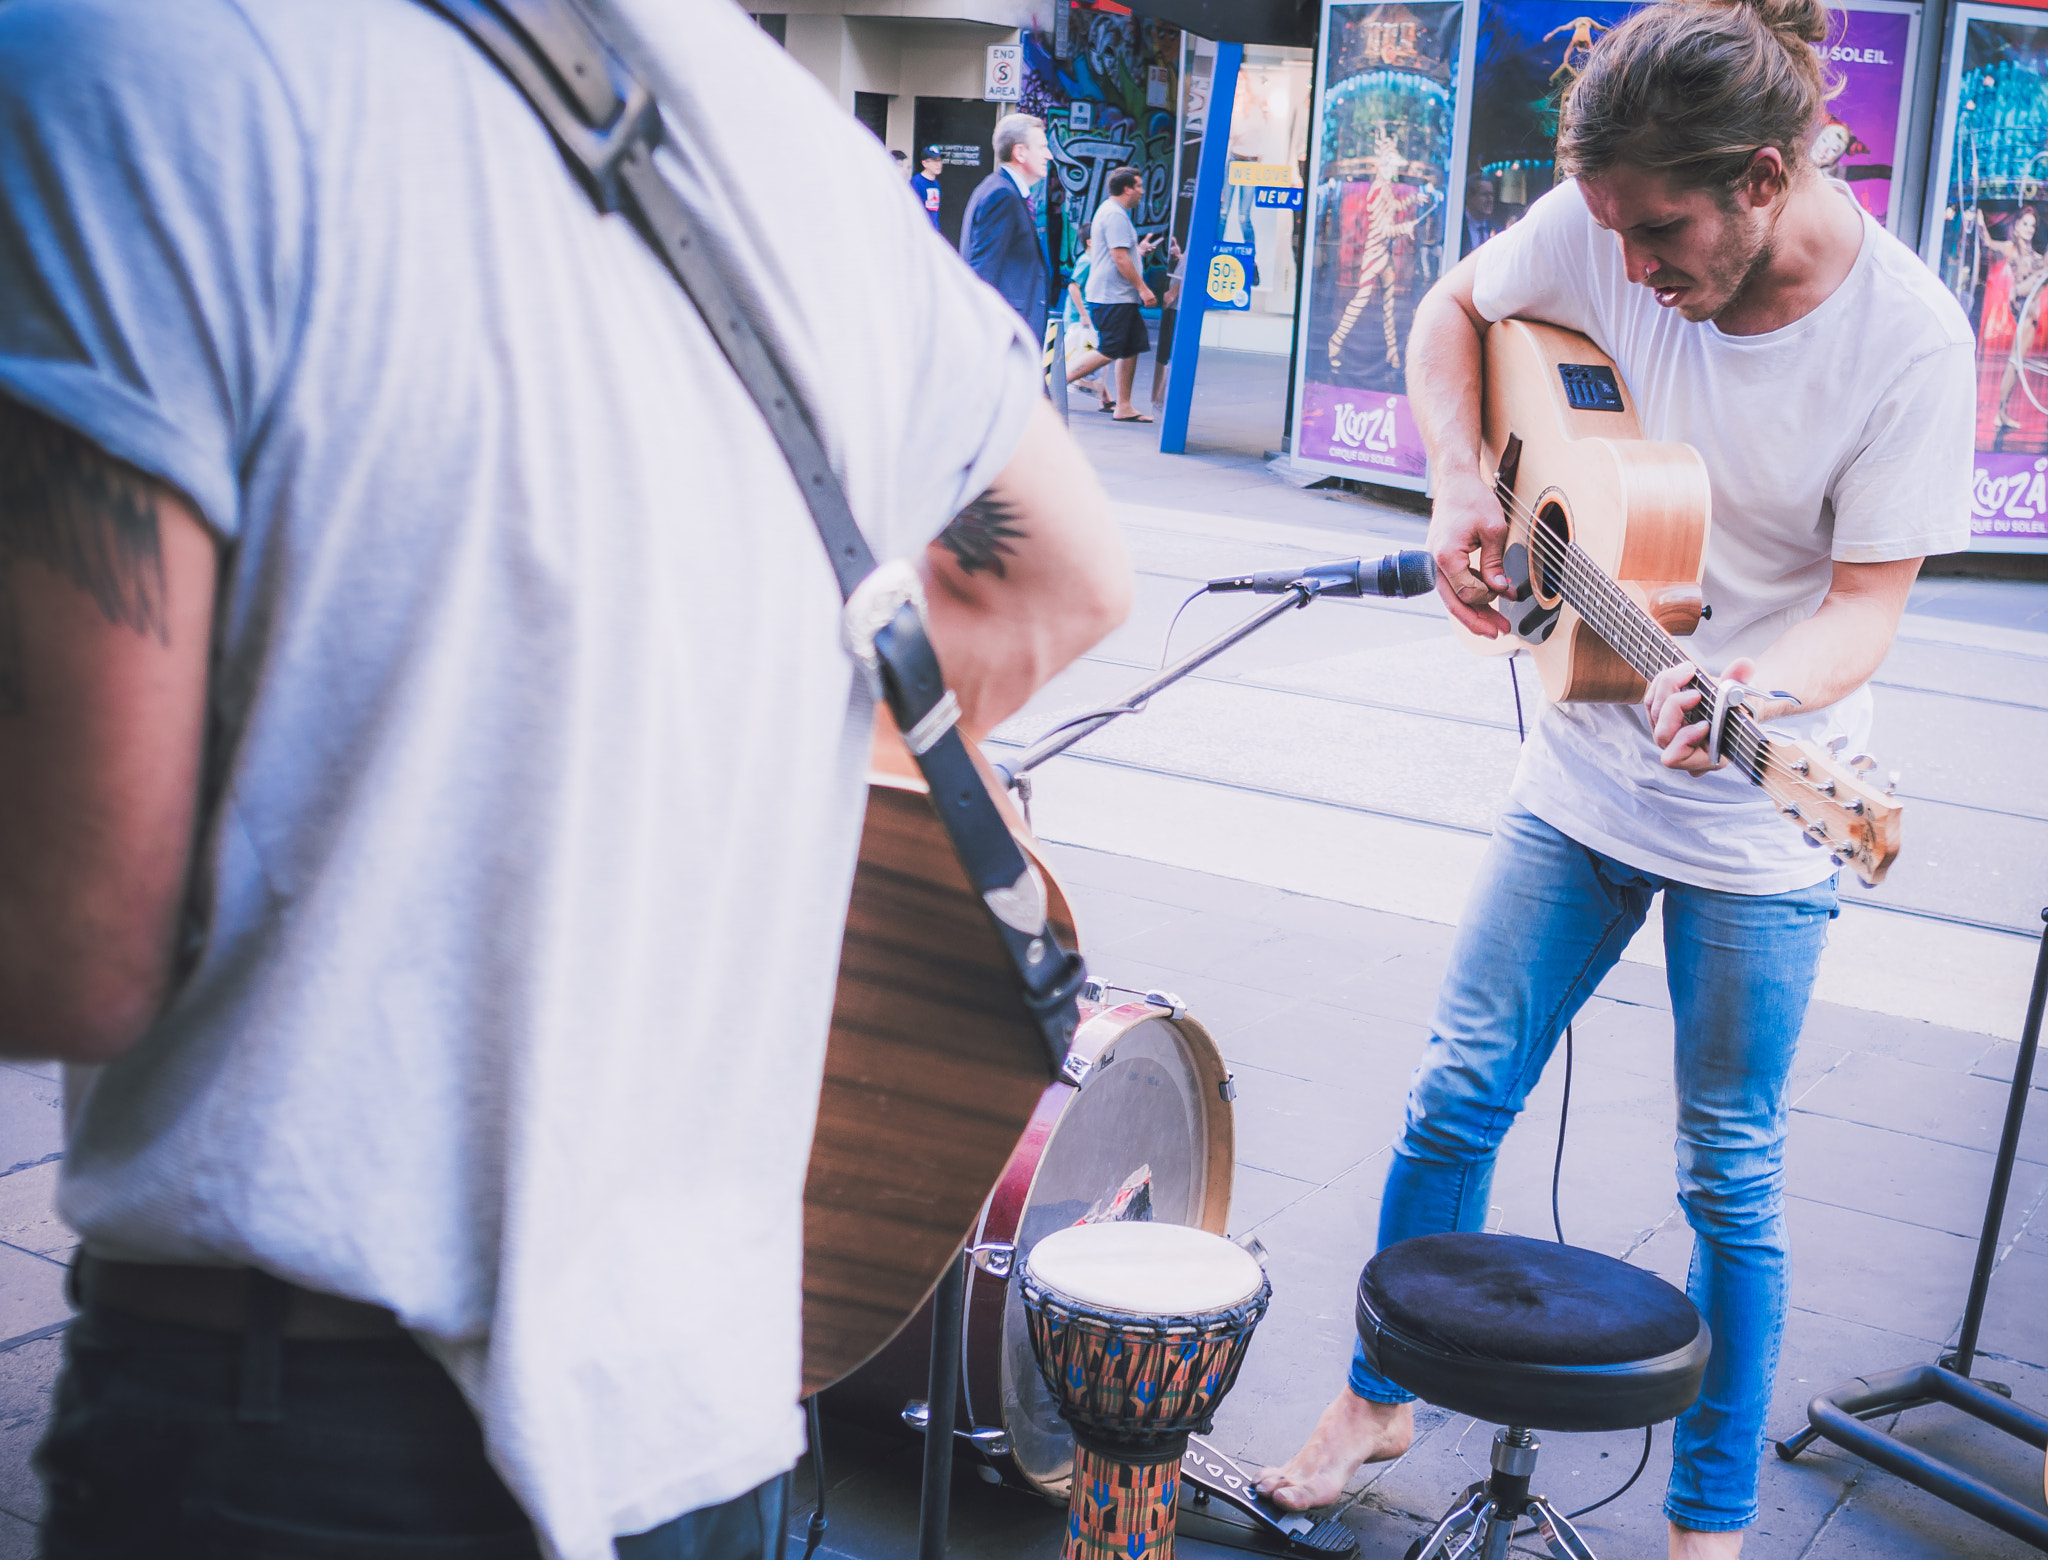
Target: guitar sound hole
x,y
1552,518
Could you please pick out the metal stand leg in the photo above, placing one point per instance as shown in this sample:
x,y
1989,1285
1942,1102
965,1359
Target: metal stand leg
x,y
1842,1415
1482,1525
1559,1535
948,1304
1451,1536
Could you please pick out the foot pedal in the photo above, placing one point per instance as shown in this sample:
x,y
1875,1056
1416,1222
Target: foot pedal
x,y
1209,1474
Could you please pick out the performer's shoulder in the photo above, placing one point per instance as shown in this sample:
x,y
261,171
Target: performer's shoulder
x,y
1909,294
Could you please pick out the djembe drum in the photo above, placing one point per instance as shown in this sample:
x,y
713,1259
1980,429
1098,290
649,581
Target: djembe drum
x,y
1139,1330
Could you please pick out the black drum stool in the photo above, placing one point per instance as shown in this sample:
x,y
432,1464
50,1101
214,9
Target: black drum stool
x,y
1531,1336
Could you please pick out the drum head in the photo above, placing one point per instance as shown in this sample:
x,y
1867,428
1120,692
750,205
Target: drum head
x,y
1133,1146
1145,1270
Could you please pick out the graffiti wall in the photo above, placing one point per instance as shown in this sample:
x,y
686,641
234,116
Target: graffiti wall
x,y
1380,160
1110,106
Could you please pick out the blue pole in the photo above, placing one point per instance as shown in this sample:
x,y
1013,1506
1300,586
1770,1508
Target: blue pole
x,y
1203,222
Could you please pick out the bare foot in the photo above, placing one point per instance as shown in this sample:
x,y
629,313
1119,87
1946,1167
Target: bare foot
x,y
1686,1544
1351,1432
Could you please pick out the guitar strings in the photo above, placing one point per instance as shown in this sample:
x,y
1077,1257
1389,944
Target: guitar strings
x,y
1744,739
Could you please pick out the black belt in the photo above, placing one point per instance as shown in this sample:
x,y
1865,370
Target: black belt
x,y
225,1300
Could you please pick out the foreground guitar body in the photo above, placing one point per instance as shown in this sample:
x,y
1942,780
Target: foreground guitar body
x,y
1606,548
931,1076
1586,474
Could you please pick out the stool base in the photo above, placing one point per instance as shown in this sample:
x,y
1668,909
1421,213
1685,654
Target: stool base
x,y
1483,1522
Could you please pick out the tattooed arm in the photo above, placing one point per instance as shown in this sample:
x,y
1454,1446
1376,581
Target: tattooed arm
x,y
106,605
1026,578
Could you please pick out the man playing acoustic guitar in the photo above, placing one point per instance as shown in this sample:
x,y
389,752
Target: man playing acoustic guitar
x,y
1760,315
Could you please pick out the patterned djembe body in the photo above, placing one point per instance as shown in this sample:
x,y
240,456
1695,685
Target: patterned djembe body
x,y
1139,1330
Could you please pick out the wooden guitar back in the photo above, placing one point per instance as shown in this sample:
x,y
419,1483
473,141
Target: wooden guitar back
x,y
1639,509
931,1076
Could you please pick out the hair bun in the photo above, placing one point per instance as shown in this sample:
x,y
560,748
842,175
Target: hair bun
x,y
1808,20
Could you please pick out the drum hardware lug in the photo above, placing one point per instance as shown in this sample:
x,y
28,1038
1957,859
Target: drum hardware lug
x,y
1169,1001
995,1443
1227,1087
1092,991
1253,1246
996,1258
1075,1069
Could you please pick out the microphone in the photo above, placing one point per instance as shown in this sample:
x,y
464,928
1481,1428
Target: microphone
x,y
1409,573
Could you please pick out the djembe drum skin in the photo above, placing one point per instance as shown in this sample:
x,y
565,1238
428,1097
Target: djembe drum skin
x,y
1139,1330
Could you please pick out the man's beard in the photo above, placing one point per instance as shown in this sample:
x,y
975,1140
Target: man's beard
x,y
1737,261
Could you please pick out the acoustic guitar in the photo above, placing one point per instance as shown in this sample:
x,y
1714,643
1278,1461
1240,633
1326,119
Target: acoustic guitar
x,y
932,1074
1607,540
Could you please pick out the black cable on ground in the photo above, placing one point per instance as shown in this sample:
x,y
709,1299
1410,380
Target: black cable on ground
x,y
1641,1463
1564,1113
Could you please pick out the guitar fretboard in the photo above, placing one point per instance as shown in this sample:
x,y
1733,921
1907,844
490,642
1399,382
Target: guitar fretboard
x,y
1640,640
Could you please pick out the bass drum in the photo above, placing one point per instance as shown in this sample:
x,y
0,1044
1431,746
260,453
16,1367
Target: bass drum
x,y
1147,1135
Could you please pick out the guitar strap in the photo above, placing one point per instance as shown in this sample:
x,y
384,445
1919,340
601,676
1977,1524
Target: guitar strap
x,y
607,125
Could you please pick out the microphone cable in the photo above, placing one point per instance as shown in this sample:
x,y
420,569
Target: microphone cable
x,y
1564,1110
1564,1113
1166,644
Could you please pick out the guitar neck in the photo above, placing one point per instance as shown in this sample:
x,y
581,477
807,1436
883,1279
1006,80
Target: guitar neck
x,y
1635,636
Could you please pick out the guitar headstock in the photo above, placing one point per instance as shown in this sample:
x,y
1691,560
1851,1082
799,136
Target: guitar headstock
x,y
1832,804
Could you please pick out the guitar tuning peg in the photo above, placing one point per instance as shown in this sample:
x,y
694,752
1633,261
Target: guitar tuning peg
x,y
1892,784
1863,763
1837,860
1837,743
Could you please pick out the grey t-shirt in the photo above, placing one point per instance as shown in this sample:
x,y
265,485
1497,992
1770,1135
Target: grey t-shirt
x,y
1112,229
538,768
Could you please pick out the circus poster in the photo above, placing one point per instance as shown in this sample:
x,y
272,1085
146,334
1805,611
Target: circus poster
x,y
1381,164
1985,243
1527,53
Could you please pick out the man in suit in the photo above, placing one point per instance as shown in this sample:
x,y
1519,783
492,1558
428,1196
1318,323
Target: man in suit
x,y
1000,236
1481,220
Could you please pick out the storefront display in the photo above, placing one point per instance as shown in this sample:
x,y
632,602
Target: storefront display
x,y
1381,162
1985,243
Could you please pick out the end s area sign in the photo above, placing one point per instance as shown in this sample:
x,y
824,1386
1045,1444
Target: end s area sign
x,y
1004,80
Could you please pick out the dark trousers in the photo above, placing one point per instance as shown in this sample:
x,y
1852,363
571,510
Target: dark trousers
x,y
164,1444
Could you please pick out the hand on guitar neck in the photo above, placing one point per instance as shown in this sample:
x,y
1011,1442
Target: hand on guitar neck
x,y
1678,722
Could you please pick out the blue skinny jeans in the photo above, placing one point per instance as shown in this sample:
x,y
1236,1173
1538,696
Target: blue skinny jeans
x,y
1547,920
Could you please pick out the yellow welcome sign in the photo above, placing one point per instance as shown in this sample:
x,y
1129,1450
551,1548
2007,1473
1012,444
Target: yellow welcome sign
x,y
1265,175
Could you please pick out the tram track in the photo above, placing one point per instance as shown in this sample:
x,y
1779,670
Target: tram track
x,y
1360,701
1423,820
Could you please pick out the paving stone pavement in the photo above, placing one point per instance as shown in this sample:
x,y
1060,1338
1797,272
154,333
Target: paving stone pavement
x,y
1320,1009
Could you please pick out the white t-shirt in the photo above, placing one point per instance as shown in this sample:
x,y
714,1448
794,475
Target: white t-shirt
x,y
538,771
1845,435
1111,230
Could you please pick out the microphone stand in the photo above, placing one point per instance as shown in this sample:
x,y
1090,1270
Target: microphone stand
x,y
1058,740
1843,1414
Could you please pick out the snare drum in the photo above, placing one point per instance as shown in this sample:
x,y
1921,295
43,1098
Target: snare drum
x,y
1139,1331
1146,1136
